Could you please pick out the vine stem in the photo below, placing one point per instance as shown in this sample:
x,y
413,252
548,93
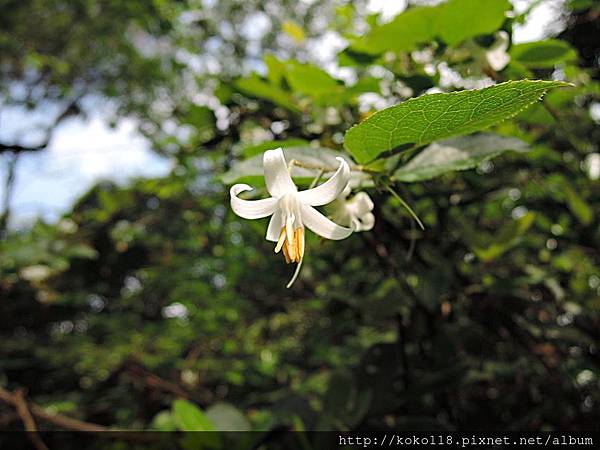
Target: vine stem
x,y
406,206
358,168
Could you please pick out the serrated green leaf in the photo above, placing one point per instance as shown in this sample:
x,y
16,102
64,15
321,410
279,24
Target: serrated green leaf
x,y
424,119
536,114
543,54
460,153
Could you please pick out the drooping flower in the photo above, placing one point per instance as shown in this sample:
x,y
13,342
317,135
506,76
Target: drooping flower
x,y
354,212
290,209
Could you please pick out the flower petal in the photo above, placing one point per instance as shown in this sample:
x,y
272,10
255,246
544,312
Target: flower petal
x,y
330,190
361,204
322,226
277,177
250,209
366,222
275,224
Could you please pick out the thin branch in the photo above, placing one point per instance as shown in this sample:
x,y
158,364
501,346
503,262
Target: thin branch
x,y
401,339
14,148
8,187
325,169
71,109
68,423
154,381
27,419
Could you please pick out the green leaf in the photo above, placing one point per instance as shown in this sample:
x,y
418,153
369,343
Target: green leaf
x,y
453,21
275,69
203,119
578,206
403,33
251,170
536,114
226,417
190,418
460,153
254,86
543,54
310,80
164,421
506,238
424,119
458,20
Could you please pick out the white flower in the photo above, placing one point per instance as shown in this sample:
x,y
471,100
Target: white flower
x,y
355,212
496,56
291,210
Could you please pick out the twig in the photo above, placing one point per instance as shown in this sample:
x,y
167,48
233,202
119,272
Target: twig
x,y
67,422
401,339
8,187
357,168
27,419
154,381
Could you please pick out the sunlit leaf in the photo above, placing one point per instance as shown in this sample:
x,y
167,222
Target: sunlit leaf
x,y
427,118
310,80
254,86
190,418
453,22
543,54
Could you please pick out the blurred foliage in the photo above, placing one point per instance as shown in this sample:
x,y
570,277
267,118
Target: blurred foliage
x,y
151,306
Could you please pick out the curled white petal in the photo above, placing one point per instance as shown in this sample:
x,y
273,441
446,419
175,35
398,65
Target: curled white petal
x,y
361,204
365,222
330,190
345,193
250,209
277,177
275,224
322,226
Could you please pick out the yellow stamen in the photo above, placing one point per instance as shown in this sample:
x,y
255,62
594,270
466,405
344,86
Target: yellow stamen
x,y
286,254
280,241
291,243
299,242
